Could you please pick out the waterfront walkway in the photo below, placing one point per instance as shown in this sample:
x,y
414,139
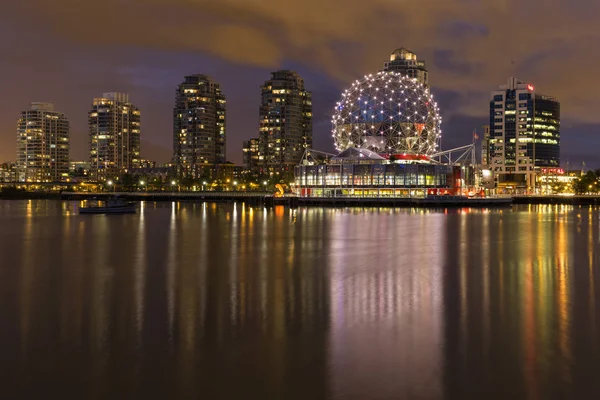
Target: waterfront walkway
x,y
267,198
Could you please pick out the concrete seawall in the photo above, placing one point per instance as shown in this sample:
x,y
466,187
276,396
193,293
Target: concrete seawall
x,y
263,198
293,201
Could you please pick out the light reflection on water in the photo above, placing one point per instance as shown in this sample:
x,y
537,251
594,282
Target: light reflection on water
x,y
231,301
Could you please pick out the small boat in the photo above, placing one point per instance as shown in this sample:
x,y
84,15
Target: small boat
x,y
114,205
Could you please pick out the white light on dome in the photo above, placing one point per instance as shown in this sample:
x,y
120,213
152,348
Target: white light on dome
x,y
408,122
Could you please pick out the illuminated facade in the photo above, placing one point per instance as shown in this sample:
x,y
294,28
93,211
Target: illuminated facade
x,y
285,130
524,135
405,62
251,155
42,145
556,181
388,113
8,172
114,124
363,173
485,146
199,126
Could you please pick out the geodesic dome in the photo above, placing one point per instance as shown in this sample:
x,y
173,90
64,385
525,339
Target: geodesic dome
x,y
388,113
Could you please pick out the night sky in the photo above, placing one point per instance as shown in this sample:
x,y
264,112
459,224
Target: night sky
x,y
68,51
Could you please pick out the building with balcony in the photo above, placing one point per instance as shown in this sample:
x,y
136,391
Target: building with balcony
x,y
114,125
42,145
285,114
251,155
199,126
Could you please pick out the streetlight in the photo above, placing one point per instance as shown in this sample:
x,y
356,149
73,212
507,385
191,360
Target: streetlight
x,y
142,183
110,183
234,185
265,185
203,185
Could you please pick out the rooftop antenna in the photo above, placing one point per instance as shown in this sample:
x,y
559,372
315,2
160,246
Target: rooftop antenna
x,y
513,67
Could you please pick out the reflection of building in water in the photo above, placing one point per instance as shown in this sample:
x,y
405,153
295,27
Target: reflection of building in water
x,y
239,279
386,305
507,304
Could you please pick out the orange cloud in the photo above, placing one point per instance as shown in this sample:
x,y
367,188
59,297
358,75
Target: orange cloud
x,y
316,32
470,45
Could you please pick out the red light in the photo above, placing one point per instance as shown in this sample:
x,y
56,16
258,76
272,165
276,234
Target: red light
x,y
530,87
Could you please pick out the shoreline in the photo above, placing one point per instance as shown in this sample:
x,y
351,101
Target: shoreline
x,y
261,198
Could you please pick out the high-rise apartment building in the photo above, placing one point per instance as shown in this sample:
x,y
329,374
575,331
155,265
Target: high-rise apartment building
x,y
524,135
405,62
42,144
114,124
8,172
199,126
485,146
285,130
251,155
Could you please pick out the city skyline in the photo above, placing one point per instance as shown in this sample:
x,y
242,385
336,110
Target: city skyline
x,y
466,50
227,154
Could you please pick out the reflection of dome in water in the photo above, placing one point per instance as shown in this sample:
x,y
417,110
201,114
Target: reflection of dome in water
x,y
387,113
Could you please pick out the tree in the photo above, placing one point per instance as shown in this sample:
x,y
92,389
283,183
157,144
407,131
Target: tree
x,y
126,182
588,183
187,182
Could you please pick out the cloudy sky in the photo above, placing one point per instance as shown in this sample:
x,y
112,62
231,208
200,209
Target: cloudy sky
x,y
68,51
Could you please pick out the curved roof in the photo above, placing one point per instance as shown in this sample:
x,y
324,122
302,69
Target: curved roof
x,y
402,52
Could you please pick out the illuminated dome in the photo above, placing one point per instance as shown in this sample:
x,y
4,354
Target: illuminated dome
x,y
388,113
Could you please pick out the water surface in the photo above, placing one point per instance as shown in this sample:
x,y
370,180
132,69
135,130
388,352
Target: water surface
x,y
228,301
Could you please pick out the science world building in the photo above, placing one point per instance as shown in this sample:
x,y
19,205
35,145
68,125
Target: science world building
x,y
387,130
388,113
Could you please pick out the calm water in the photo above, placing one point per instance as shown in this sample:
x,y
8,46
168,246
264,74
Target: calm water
x,y
209,301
